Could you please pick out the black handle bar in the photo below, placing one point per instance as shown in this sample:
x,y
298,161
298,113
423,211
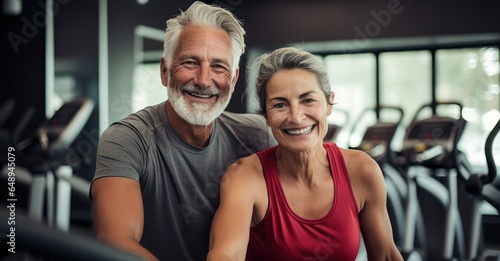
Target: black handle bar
x,y
488,150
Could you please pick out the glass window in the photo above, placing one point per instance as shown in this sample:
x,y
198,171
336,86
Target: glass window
x,y
471,77
147,89
352,77
405,82
65,89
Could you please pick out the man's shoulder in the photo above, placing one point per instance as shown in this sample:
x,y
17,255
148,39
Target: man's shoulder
x,y
149,115
141,122
242,119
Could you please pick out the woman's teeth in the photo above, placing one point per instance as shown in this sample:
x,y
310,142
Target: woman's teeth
x,y
300,131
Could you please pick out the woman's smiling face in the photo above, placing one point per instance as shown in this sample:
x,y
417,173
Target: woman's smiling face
x,y
296,109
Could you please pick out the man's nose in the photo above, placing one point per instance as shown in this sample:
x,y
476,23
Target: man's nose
x,y
203,77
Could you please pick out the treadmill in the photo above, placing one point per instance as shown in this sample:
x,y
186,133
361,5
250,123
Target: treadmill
x,y
377,142
434,178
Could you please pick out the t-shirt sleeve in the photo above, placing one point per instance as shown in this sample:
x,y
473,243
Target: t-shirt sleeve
x,y
254,129
264,135
120,152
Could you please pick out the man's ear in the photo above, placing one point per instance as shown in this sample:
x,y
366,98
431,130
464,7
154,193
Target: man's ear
x,y
331,99
163,72
235,78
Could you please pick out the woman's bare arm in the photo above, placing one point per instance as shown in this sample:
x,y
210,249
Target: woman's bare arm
x,y
369,186
231,225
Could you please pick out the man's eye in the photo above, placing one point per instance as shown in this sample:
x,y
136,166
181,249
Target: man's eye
x,y
219,68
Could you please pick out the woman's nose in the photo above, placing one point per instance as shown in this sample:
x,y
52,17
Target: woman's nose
x,y
296,114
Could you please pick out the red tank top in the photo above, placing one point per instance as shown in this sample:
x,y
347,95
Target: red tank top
x,y
283,235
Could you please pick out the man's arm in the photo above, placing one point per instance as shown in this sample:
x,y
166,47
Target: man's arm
x,y
118,213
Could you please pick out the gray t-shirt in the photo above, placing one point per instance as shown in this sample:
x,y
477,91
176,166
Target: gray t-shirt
x,y
179,182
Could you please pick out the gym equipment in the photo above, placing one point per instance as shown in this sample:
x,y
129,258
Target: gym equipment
x,y
377,142
32,240
481,186
431,153
378,138
11,137
335,128
5,137
39,156
6,110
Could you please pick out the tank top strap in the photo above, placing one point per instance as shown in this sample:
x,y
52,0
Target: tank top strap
x,y
268,164
268,161
340,174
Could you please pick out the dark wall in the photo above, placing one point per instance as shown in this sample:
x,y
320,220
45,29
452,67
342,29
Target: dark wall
x,y
280,22
23,64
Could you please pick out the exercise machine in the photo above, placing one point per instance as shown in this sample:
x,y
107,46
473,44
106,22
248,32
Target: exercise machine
x,y
377,141
433,159
34,240
40,159
481,186
334,128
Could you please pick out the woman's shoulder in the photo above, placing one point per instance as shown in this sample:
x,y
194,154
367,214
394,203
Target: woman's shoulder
x,y
365,175
245,179
244,165
361,167
357,159
245,168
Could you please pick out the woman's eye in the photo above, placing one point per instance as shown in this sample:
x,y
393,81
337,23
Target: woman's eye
x,y
279,105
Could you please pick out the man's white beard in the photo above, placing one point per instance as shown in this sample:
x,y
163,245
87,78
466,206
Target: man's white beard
x,y
200,114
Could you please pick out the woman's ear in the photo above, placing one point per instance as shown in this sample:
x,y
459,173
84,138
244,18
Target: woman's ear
x,y
331,99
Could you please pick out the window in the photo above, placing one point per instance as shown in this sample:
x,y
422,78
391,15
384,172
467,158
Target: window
x,y
354,91
471,77
405,81
147,89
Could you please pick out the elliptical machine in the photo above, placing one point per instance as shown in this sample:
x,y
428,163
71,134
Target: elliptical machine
x,y
40,161
431,154
481,186
377,142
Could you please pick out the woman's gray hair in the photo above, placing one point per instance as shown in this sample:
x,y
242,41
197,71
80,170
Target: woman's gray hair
x,y
288,58
202,14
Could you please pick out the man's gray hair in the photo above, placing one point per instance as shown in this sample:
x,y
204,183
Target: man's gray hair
x,y
202,14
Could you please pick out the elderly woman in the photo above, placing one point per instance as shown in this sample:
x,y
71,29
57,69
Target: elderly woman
x,y
302,199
